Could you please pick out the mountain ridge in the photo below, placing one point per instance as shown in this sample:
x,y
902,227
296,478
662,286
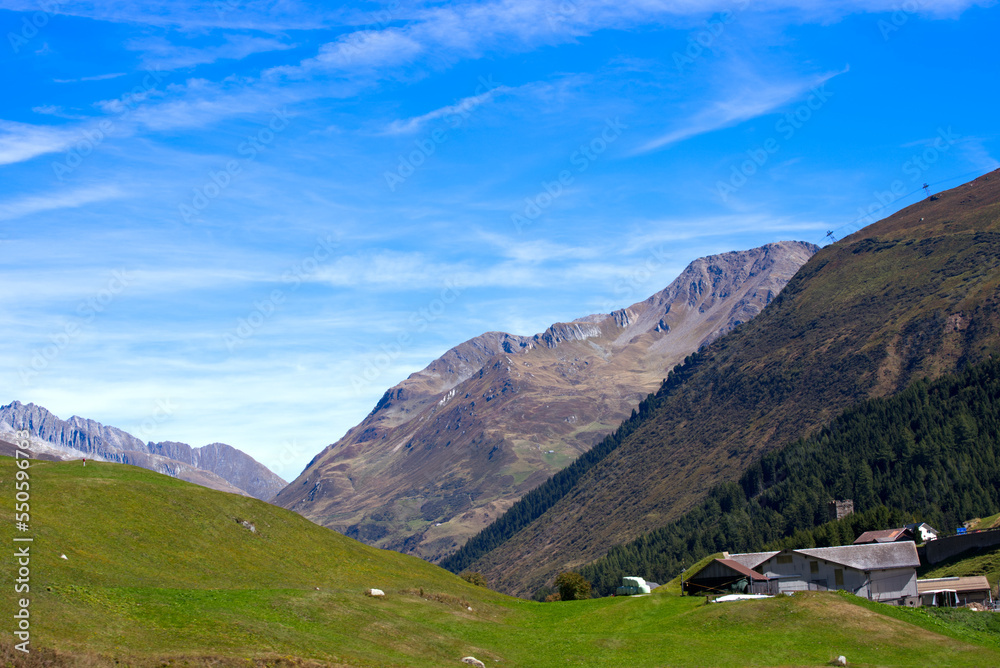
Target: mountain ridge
x,y
217,465
453,445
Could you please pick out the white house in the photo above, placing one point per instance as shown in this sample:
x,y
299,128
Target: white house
x,y
923,531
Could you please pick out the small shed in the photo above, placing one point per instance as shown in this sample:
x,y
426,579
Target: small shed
x,y
724,576
954,592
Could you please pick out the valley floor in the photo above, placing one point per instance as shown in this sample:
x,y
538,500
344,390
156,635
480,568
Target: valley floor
x,y
146,627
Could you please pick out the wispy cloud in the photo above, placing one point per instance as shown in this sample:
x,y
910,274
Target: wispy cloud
x,y
266,15
161,54
460,108
364,50
98,77
28,205
22,141
748,101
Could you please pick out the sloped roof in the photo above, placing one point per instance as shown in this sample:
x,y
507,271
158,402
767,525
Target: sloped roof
x,y
871,557
884,536
971,583
741,569
751,559
922,525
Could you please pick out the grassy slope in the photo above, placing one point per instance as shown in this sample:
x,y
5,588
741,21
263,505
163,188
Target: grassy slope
x,y
973,562
913,296
160,569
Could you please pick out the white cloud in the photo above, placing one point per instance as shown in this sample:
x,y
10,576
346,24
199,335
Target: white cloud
x,y
265,15
98,77
25,206
161,54
460,108
749,100
22,141
364,50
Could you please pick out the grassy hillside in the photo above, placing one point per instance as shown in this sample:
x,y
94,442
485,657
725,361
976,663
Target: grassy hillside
x,y
914,296
160,572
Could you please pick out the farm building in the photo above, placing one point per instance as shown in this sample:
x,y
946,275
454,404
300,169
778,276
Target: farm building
x,y
883,572
725,576
885,536
954,592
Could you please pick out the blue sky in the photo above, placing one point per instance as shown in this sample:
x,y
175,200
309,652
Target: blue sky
x,y
243,221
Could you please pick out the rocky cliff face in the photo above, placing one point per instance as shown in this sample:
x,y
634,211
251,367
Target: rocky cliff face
x,y
450,448
218,465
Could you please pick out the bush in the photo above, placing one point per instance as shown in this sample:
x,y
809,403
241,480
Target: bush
x,y
475,578
573,586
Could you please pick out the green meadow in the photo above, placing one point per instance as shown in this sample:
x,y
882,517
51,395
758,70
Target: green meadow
x,y
162,572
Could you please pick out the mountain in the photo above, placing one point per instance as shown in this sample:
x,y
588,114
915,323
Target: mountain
x,y
217,465
914,296
451,447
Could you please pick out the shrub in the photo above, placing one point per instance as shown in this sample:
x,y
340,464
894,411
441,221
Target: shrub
x,y
573,586
475,578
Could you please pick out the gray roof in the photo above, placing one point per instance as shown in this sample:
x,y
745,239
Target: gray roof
x,y
872,557
752,559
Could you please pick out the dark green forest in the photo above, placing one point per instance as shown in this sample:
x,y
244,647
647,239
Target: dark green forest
x,y
930,453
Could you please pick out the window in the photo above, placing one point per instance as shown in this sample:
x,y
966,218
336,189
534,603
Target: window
x,y
784,558
814,567
838,577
